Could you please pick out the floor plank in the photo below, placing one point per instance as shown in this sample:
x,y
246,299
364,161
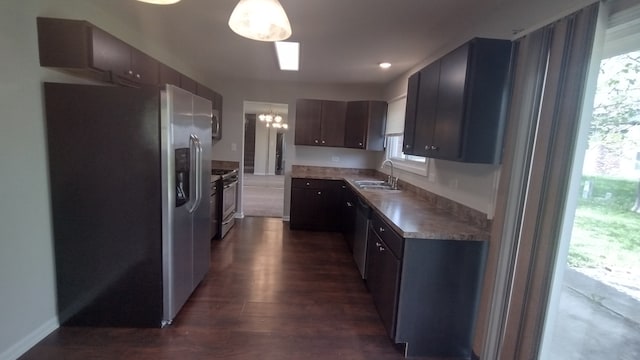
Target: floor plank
x,y
271,293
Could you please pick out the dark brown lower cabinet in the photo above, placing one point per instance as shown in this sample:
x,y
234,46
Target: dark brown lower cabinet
x,y
426,291
315,204
383,279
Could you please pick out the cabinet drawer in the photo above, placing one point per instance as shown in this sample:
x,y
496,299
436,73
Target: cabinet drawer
x,y
314,183
394,241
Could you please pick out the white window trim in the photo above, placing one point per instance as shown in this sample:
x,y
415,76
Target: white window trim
x,y
411,166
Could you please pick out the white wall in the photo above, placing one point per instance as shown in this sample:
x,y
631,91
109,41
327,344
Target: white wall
x,y
27,278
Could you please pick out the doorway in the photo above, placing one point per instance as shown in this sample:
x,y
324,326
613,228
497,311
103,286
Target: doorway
x,y
264,158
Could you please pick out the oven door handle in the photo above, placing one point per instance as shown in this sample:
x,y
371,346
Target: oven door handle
x,y
231,218
235,182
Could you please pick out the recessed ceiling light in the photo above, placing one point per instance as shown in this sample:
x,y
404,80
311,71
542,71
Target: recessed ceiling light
x,y
288,55
384,65
160,2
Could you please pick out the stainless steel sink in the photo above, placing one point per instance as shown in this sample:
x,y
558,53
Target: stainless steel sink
x,y
373,185
377,187
360,183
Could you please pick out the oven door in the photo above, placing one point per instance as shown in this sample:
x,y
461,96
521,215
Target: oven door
x,y
229,199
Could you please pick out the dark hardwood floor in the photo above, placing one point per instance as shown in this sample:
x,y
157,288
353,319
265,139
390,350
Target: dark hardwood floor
x,y
271,293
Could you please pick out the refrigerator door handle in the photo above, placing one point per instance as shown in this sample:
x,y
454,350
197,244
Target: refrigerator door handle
x,y
196,170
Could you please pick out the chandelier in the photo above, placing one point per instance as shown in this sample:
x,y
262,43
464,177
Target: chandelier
x,y
273,120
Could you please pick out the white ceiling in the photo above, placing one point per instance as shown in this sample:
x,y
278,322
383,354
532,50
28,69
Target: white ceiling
x,y
342,41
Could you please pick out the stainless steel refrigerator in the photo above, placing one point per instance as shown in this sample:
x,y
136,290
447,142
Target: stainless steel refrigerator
x,y
129,181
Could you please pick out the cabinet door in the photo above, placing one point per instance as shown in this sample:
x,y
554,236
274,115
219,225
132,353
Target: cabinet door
x,y
304,204
308,122
168,75
144,68
188,84
410,114
376,125
451,103
355,131
383,279
427,110
334,114
110,54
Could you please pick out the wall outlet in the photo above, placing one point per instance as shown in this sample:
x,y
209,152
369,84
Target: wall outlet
x,y
335,158
234,147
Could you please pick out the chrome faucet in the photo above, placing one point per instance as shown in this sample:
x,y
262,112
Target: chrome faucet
x,y
391,180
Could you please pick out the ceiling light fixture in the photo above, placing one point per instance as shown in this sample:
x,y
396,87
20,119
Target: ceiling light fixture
x,y
262,20
288,55
273,120
384,65
160,2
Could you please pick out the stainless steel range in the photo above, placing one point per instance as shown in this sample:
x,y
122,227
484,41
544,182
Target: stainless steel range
x,y
228,200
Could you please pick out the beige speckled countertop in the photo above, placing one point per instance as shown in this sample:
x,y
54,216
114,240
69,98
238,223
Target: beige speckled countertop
x,y
409,215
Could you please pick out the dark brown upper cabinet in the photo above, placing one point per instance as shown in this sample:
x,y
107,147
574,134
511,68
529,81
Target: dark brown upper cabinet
x,y
365,125
456,106
77,45
168,75
320,122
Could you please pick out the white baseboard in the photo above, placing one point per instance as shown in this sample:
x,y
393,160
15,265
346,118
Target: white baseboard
x,y
239,215
22,346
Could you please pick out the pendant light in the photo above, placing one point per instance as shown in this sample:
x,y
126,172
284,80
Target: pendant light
x,y
262,20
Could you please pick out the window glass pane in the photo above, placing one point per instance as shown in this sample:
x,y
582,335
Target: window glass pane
x,y
597,313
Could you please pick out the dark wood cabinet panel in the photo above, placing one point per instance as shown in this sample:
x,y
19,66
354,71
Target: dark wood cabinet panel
x,y
109,53
308,122
426,291
333,118
144,68
188,84
411,111
80,46
168,75
383,280
428,94
461,115
364,125
315,204
320,122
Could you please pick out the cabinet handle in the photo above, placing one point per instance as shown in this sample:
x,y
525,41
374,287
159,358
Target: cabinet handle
x,y
138,76
378,244
323,141
407,146
316,141
381,229
433,147
381,248
427,147
308,184
130,72
360,144
349,204
319,192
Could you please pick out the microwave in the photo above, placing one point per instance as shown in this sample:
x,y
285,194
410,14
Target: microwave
x,y
216,125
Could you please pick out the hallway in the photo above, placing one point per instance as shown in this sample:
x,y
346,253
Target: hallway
x,y
271,293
